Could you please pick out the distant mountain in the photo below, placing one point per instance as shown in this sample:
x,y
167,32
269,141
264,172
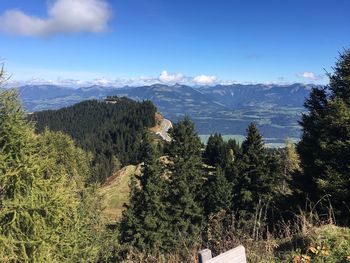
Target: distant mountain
x,y
173,101
223,108
44,97
238,96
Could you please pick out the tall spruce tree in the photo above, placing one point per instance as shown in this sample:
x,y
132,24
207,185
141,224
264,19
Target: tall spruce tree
x,y
219,193
144,222
252,183
325,145
185,197
215,152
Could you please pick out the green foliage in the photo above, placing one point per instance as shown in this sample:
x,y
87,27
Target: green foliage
x,y
218,194
46,214
110,131
284,163
220,153
326,243
252,182
325,145
144,222
186,181
215,151
165,209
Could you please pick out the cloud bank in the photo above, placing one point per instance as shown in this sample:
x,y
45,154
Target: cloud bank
x,y
64,17
82,79
72,79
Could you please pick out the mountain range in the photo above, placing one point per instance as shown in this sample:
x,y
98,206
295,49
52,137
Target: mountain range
x,y
227,109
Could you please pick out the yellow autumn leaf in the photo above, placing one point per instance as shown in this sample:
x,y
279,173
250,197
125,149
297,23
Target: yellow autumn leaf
x,y
313,250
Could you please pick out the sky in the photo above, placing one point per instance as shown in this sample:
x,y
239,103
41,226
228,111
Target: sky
x,y
195,42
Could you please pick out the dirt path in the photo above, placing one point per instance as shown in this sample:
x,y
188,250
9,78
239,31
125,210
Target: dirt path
x,y
165,125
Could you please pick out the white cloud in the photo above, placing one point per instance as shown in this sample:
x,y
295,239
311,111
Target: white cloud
x,y
64,16
165,77
310,76
204,79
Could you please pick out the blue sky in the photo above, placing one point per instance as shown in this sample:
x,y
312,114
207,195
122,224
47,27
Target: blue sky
x,y
196,42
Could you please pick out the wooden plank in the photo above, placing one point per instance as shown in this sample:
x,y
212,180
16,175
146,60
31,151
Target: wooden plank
x,y
236,255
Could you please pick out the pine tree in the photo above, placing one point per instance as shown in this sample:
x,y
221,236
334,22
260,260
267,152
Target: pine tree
x,y
215,151
144,220
219,194
325,145
185,197
252,183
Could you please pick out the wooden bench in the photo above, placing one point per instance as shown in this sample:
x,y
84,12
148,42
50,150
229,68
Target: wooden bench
x,y
236,255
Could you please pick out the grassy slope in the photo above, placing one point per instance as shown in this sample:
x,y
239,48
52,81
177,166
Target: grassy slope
x,y
115,192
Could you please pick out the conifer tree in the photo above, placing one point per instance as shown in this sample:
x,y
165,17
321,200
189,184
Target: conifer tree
x,y
39,207
74,164
215,151
185,197
144,220
219,194
325,145
252,183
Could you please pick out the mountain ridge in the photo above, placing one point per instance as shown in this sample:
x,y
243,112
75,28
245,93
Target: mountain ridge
x,y
227,109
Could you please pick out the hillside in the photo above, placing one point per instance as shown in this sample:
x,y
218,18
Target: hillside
x,y
227,109
115,192
111,132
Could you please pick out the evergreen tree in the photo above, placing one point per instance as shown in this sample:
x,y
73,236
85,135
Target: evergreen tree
x,y
325,145
215,151
185,197
252,183
144,220
219,194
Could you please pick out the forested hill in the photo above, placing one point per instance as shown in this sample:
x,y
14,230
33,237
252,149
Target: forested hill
x,y
110,131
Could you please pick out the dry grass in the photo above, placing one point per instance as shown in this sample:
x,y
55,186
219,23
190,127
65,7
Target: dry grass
x,y
115,192
157,128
